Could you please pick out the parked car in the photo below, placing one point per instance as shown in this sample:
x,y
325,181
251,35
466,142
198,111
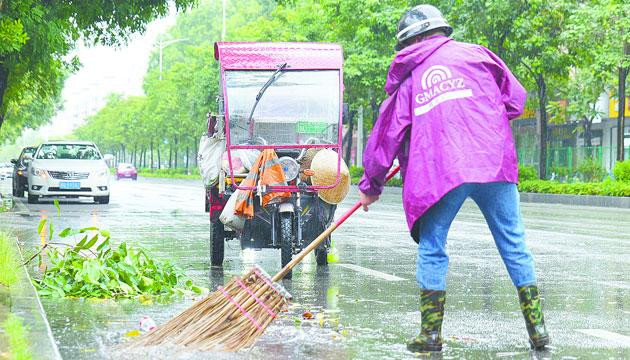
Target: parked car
x,y
6,170
69,169
126,171
20,165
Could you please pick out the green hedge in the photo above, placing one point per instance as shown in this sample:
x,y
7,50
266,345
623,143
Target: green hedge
x,y
527,173
622,171
356,172
178,173
528,182
605,188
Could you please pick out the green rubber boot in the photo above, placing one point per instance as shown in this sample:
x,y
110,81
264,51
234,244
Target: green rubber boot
x,y
432,312
534,320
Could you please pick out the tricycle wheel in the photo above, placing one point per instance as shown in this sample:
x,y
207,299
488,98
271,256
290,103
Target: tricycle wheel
x,y
217,243
286,240
321,255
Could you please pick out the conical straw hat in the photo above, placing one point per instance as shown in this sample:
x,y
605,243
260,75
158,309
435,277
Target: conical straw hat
x,y
324,166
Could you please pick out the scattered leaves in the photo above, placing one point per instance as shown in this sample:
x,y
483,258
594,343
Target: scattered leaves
x,y
108,272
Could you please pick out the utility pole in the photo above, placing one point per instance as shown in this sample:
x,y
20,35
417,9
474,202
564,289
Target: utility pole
x,y
223,28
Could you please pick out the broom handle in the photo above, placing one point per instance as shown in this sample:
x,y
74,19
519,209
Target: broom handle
x,y
315,243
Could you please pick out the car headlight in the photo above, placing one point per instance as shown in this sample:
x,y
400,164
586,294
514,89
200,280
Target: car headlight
x,y
290,167
102,173
39,172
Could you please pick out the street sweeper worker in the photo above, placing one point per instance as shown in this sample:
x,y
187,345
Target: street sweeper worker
x,y
447,120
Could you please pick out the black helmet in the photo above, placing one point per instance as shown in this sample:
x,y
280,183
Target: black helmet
x,y
419,20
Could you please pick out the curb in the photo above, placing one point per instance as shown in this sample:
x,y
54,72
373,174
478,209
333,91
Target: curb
x,y
19,207
37,310
580,200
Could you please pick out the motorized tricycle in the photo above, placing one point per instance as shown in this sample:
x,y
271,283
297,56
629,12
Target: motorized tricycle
x,y
286,97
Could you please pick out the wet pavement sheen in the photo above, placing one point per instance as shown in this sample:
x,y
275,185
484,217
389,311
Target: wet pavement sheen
x,y
365,306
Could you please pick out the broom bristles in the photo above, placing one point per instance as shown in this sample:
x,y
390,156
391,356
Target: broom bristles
x,y
229,319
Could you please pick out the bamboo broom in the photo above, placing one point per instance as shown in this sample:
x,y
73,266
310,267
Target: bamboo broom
x,y
234,316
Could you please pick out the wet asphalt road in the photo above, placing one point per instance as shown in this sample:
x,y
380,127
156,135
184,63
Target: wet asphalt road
x,y
365,305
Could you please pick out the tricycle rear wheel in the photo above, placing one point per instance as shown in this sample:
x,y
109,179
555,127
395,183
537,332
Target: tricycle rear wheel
x,y
286,241
217,243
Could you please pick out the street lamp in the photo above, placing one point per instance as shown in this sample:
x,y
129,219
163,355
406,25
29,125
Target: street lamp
x,y
163,44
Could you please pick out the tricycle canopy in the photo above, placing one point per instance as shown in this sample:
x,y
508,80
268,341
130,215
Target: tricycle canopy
x,y
281,96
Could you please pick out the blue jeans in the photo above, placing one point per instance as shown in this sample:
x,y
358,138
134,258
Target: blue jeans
x,y
499,203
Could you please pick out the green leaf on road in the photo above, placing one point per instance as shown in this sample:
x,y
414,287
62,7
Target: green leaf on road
x,y
56,202
65,232
80,244
91,242
41,225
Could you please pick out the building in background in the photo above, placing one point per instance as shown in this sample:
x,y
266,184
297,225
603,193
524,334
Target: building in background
x,y
566,145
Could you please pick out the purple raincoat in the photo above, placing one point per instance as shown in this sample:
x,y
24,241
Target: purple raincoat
x,y
446,120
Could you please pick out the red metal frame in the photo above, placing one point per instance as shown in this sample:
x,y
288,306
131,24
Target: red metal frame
x,y
267,56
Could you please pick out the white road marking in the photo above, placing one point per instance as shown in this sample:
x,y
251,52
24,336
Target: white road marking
x,y
371,272
617,284
608,335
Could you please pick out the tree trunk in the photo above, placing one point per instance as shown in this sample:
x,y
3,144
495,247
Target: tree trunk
x,y
347,141
4,79
124,153
170,156
542,104
151,153
176,153
187,155
587,132
159,158
196,152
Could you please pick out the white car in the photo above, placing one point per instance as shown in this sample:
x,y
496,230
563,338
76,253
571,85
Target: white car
x,y
68,169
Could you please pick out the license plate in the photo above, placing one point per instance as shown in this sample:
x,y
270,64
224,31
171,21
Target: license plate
x,y
69,185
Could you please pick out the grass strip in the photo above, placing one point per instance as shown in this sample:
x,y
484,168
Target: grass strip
x,y
8,261
16,332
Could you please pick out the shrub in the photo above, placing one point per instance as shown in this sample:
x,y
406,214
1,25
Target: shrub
x,y
527,173
560,171
356,172
622,171
591,170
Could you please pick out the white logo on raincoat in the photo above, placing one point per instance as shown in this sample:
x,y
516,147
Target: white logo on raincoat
x,y
438,86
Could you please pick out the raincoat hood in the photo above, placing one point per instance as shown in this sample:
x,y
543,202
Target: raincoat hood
x,y
408,58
